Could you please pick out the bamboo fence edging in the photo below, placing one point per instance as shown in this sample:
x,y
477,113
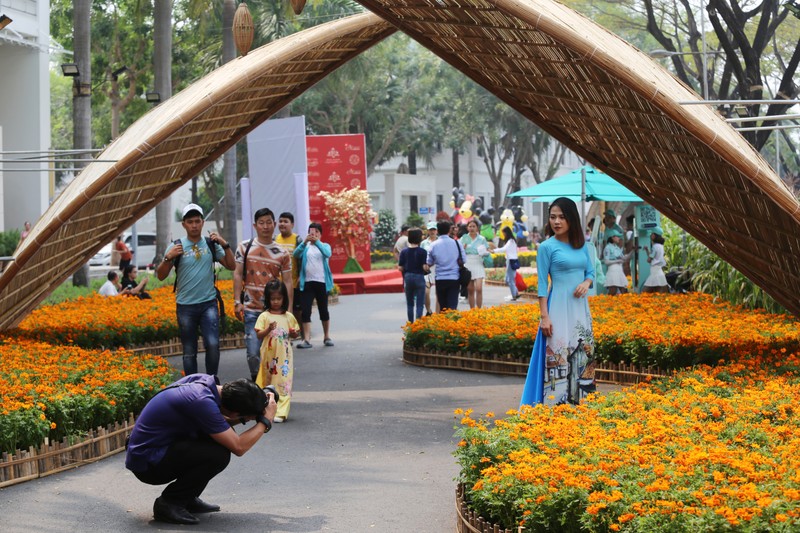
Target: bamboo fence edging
x,y
467,521
616,373
51,458
173,347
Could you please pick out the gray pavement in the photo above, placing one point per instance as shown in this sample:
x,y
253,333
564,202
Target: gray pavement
x,y
368,446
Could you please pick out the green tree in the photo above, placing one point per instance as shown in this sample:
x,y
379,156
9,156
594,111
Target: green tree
x,y
385,230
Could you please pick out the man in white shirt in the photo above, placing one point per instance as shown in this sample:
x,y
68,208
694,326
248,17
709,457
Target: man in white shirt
x,y
111,286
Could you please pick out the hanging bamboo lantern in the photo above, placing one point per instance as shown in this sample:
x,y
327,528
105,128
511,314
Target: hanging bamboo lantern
x,y
297,6
243,29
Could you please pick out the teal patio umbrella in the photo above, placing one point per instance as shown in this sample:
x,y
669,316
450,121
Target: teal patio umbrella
x,y
583,184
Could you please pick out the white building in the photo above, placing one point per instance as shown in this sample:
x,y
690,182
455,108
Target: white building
x,y
432,188
25,109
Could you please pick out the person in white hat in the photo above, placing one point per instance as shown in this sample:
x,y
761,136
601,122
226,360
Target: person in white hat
x,y
656,281
196,296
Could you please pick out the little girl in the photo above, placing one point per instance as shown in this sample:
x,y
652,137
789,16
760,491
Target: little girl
x,y
277,326
656,281
613,257
512,262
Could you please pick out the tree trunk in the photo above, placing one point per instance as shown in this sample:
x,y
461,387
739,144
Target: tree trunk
x,y
229,159
82,100
162,64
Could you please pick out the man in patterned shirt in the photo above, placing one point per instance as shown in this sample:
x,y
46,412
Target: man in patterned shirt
x,y
258,261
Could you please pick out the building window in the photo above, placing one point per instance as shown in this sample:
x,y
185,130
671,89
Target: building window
x,y
414,204
439,203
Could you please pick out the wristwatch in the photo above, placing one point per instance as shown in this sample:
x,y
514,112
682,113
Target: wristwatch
x,y
264,420
226,246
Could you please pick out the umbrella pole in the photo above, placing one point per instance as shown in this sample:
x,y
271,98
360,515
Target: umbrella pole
x,y
583,198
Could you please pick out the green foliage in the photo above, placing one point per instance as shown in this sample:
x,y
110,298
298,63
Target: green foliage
x,y
8,242
712,275
415,220
385,229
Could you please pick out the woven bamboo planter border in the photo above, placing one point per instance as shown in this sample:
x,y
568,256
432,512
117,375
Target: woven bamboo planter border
x,y
51,458
467,521
174,347
620,374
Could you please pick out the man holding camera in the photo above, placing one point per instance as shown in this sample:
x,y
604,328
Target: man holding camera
x,y
184,437
196,295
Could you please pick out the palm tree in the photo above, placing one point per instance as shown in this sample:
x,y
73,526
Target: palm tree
x,y
82,99
162,65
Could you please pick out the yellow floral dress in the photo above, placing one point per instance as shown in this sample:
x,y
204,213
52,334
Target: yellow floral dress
x,y
277,361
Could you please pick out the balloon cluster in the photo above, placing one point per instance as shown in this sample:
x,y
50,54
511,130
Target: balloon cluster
x,y
466,206
514,218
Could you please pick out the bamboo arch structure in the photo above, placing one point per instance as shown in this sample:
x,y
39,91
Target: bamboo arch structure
x,y
600,96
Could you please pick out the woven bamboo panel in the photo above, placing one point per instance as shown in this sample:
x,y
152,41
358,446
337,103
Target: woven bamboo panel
x,y
169,146
613,105
595,93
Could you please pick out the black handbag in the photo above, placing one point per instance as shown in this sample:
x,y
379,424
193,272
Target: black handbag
x,y
464,275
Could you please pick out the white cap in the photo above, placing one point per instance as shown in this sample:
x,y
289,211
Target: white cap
x,y
192,207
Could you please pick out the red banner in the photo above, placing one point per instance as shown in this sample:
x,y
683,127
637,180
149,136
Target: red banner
x,y
336,162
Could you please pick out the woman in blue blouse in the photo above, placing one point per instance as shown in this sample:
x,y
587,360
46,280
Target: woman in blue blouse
x,y
315,282
562,368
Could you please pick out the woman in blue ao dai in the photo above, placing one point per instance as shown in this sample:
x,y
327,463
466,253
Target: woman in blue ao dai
x,y
562,366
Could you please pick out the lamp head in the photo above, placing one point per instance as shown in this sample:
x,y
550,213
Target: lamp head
x,y
70,70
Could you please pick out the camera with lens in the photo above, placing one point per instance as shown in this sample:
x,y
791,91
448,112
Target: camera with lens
x,y
270,388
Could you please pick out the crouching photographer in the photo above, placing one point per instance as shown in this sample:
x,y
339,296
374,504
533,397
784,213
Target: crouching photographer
x,y
184,437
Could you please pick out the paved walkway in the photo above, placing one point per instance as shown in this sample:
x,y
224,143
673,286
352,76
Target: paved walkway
x,y
368,446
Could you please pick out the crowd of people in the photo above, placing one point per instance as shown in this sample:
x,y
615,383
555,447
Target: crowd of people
x,y
184,436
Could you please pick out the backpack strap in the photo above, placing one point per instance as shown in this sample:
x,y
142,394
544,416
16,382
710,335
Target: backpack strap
x,y
244,268
177,261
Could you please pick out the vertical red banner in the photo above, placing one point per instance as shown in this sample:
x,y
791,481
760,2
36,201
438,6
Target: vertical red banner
x,y
335,163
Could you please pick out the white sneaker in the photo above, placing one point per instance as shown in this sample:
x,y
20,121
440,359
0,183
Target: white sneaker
x,y
509,298
278,419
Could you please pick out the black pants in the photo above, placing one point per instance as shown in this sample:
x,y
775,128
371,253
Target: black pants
x,y
314,290
447,293
189,465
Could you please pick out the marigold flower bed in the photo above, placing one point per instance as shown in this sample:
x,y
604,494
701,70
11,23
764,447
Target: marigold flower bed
x,y
711,449
666,331
56,391
96,321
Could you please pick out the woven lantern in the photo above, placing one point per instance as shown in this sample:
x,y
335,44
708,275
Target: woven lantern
x,y
297,6
243,29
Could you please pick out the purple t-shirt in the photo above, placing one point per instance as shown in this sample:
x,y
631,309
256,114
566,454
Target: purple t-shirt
x,y
183,412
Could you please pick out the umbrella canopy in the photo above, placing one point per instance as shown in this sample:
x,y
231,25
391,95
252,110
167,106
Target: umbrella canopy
x,y
599,186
